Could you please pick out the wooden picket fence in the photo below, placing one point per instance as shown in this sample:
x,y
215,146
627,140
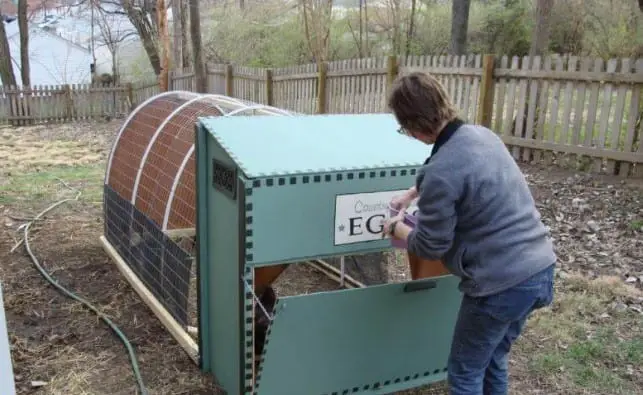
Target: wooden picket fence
x,y
65,103
583,112
568,110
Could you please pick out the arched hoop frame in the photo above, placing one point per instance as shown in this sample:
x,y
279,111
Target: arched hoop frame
x,y
139,174
129,119
186,159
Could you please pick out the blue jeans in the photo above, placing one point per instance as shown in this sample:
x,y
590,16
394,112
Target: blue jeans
x,y
485,330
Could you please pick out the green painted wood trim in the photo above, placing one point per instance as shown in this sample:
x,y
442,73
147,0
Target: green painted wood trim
x,y
203,275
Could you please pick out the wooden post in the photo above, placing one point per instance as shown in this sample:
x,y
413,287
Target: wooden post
x,y
171,77
321,88
14,98
392,70
229,74
485,100
69,102
269,91
130,95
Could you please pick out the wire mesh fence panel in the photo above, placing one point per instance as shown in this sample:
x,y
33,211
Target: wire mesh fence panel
x,y
160,263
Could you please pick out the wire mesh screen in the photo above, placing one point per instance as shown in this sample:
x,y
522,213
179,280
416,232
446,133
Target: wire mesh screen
x,y
135,138
160,263
163,167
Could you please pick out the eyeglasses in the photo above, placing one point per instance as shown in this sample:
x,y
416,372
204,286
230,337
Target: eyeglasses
x,y
403,131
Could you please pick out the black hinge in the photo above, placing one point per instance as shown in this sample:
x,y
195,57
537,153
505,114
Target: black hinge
x,y
224,178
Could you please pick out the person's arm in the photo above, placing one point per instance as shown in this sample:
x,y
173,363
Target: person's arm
x,y
412,193
433,234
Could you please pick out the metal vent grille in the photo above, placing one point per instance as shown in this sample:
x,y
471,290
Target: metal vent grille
x,y
224,178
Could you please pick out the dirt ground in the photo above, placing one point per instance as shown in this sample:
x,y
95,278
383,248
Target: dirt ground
x,y
589,342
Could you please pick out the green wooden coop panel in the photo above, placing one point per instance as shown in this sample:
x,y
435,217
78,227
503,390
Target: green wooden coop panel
x,y
306,176
369,340
220,269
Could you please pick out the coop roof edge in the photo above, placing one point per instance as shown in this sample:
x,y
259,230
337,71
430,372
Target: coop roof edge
x,y
341,149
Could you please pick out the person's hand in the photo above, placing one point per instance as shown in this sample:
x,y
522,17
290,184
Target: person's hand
x,y
402,202
388,223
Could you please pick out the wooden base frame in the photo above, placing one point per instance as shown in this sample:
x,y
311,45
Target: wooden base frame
x,y
176,330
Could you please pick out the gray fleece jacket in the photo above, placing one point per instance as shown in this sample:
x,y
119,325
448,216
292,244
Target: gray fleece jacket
x,y
477,214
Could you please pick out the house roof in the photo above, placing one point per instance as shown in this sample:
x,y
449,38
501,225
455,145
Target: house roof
x,y
11,28
7,7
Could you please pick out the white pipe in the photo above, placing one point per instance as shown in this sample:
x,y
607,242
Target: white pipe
x,y
258,107
127,121
143,160
175,184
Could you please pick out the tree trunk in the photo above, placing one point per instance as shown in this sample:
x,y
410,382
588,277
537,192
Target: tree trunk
x,y
6,68
410,33
459,26
200,76
367,49
145,32
165,43
317,20
24,43
177,59
540,36
185,43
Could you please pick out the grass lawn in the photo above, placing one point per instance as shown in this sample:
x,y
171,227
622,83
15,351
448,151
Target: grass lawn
x,y
589,341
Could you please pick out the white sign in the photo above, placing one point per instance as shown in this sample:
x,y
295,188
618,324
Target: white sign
x,y
359,217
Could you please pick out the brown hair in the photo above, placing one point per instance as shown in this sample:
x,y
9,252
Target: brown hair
x,y
420,102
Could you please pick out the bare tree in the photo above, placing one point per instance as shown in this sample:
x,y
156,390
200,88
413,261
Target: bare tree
x,y
459,26
389,20
24,43
176,34
195,32
6,68
410,34
316,16
185,43
112,35
540,36
161,10
360,43
145,20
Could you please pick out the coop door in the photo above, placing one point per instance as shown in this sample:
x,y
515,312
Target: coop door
x,y
374,340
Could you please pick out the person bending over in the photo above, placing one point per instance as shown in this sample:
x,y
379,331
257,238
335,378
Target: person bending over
x,y
476,214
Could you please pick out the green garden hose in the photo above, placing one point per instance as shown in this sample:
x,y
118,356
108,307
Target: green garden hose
x,y
130,350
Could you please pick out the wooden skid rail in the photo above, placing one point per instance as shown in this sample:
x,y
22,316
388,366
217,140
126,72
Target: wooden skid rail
x,y
176,330
333,273
180,233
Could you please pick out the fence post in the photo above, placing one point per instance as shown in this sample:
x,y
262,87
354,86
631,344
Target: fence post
x,y
321,88
392,70
229,86
69,108
130,95
269,91
485,99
